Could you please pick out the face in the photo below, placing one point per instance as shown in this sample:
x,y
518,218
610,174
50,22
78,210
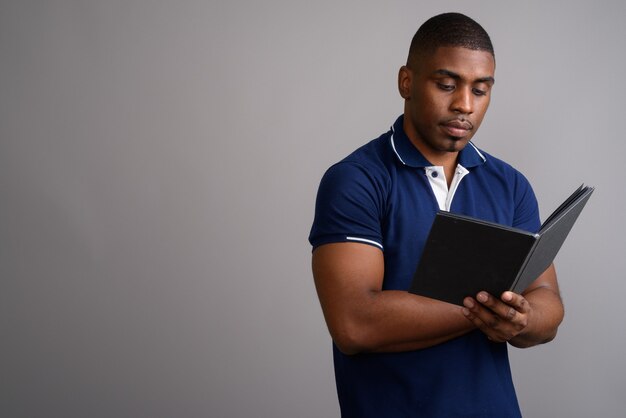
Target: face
x,y
446,97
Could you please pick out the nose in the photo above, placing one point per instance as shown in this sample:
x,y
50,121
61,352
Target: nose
x,y
462,101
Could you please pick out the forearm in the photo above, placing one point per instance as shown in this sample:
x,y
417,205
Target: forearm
x,y
546,316
390,321
361,317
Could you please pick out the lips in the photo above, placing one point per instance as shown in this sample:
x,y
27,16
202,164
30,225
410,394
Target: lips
x,y
457,128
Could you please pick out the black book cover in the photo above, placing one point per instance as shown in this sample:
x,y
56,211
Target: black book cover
x,y
464,255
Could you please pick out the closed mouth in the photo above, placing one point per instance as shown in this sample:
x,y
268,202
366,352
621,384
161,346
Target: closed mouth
x,y
457,128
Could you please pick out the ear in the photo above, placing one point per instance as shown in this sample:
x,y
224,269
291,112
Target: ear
x,y
405,77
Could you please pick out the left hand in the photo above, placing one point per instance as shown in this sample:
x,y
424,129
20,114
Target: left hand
x,y
499,319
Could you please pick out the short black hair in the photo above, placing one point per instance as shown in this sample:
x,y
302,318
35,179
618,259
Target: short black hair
x,y
448,29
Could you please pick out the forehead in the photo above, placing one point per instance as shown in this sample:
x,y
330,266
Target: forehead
x,y
467,63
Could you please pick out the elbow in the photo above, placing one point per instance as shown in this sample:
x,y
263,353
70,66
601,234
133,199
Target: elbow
x,y
549,339
533,339
551,336
350,339
531,342
554,328
346,348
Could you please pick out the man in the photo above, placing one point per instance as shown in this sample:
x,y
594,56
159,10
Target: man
x,y
397,354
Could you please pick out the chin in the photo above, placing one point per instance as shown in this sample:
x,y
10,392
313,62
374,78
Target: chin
x,y
456,144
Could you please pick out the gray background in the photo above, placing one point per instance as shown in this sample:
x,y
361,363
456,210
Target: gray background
x,y
158,168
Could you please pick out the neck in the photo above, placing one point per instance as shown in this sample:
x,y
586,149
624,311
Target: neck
x,y
445,159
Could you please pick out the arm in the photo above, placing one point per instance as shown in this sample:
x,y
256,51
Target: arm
x,y
522,320
361,317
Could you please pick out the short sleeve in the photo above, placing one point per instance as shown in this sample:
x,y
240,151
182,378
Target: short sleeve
x,y
348,207
526,207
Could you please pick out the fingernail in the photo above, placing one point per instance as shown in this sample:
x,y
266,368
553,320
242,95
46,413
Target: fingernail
x,y
468,303
466,311
482,297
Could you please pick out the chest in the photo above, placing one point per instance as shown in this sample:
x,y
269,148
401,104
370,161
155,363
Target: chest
x,y
410,210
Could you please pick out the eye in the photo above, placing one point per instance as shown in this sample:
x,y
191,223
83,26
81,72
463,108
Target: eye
x,y
479,92
445,87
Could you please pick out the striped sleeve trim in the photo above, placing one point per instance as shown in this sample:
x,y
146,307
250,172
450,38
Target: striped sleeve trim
x,y
367,241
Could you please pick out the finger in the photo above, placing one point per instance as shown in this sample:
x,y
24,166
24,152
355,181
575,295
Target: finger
x,y
497,320
517,301
480,310
506,308
480,315
495,306
484,320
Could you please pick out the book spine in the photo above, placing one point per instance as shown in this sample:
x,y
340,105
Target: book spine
x,y
517,283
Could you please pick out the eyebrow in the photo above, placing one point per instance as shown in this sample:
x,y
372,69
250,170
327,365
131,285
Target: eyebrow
x,y
456,76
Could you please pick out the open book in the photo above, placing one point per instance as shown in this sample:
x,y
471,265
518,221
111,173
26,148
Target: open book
x,y
464,255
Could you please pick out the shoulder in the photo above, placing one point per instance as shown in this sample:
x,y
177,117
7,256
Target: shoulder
x,y
499,170
497,164
514,184
369,165
352,197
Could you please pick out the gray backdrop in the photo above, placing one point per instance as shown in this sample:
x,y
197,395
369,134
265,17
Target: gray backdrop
x,y
158,168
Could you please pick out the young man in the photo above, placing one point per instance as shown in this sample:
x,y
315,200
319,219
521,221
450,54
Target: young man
x,y
397,354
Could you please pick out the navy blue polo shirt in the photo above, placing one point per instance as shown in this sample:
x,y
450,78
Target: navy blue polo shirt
x,y
386,194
